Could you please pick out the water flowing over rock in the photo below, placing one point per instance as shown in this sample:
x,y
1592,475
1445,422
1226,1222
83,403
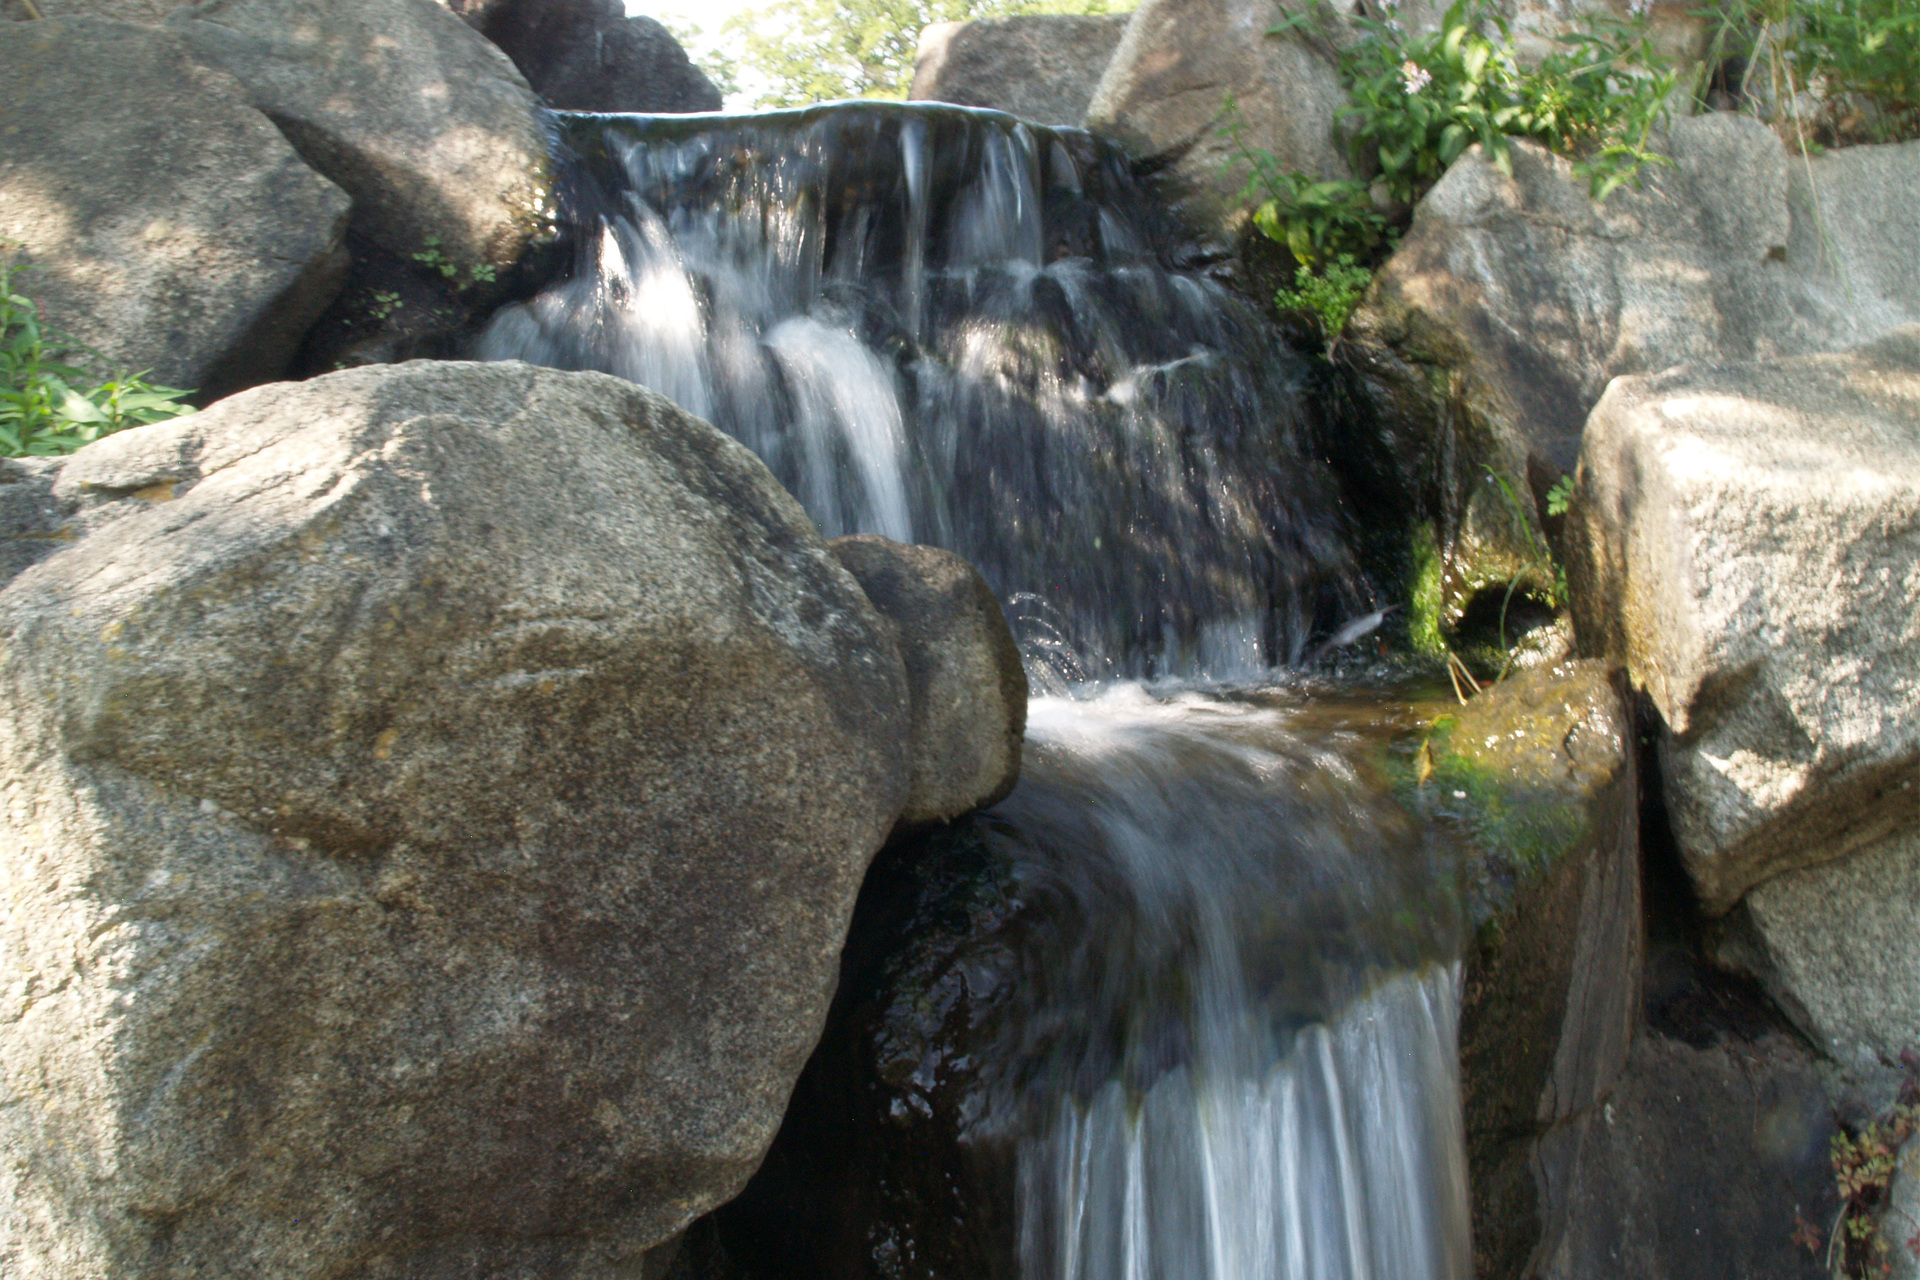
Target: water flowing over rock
x,y
1181,1006
1743,542
167,223
436,795
1040,67
425,124
951,327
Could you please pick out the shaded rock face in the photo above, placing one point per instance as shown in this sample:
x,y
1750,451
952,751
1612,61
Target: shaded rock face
x,y
587,55
965,685
428,127
167,223
1042,67
1742,540
1536,778
1163,95
436,798
1701,1164
1834,947
1490,334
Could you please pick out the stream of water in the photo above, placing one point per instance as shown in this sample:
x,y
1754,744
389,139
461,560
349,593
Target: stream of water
x,y
949,326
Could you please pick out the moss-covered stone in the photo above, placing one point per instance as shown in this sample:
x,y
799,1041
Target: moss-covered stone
x,y
1535,775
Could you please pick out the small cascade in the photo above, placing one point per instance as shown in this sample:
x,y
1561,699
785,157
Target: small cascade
x,y
950,326
1249,1038
1216,1016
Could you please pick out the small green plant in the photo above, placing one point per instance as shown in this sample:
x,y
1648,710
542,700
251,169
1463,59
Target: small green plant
x,y
383,303
1560,496
1864,1164
1539,558
1822,72
1329,295
1418,101
50,406
435,259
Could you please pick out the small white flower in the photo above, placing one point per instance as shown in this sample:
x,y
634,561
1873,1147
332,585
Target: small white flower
x,y
1639,8
1396,26
1414,76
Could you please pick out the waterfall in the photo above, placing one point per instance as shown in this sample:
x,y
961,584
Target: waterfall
x,y
1245,1013
953,327
1234,1055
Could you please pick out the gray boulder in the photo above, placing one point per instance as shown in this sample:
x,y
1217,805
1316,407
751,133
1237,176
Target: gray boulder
x,y
1512,302
965,685
1042,67
587,55
167,223
1743,540
437,794
1835,946
425,124
1164,96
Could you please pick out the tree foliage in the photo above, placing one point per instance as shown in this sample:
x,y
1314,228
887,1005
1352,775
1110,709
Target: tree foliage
x,y
819,50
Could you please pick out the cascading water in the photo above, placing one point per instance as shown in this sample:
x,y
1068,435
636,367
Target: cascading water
x,y
949,326
1232,1050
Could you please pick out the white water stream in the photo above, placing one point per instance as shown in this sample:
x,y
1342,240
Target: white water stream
x,y
947,326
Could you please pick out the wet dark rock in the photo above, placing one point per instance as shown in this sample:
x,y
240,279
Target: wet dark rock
x,y
1536,778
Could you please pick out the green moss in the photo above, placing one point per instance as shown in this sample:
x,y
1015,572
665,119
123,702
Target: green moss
x,y
1424,594
1510,816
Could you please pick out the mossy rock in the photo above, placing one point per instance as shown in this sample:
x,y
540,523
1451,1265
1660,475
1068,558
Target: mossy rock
x,y
1536,776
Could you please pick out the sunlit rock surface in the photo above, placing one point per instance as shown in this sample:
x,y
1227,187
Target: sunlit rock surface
x,y
425,124
1743,539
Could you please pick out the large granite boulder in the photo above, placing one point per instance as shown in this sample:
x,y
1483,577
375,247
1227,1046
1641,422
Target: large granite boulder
x,y
436,797
1743,539
588,55
1513,301
1041,67
425,124
167,223
1165,92
966,689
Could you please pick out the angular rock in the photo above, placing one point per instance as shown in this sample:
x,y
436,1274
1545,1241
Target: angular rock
x,y
436,796
965,684
1164,95
1743,540
1536,778
1702,1164
1042,67
425,124
167,223
587,55
1835,947
1490,334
